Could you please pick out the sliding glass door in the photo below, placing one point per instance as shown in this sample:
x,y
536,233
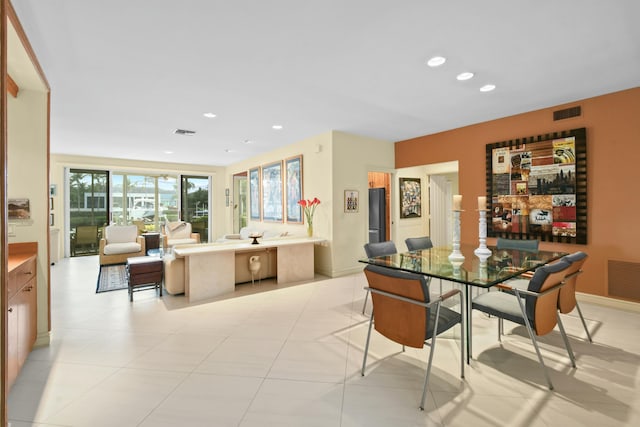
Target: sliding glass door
x,y
88,209
145,200
98,198
195,204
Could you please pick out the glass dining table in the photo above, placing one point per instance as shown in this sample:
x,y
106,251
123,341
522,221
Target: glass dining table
x,y
494,268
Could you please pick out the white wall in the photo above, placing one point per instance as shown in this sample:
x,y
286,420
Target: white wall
x,y
353,158
27,179
332,162
316,178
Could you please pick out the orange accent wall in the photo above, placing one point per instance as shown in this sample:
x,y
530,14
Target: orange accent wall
x,y
613,173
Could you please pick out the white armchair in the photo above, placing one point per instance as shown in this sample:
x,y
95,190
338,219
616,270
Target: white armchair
x,y
179,233
119,243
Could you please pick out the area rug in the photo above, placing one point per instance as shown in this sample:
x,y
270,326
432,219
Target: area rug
x,y
112,278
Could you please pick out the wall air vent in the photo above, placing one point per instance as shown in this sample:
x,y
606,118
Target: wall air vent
x,y
567,113
184,132
623,279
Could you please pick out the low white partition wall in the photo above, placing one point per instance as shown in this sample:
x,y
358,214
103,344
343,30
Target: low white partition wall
x,y
210,268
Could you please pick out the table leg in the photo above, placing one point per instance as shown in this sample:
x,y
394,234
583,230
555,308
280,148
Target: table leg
x,y
467,308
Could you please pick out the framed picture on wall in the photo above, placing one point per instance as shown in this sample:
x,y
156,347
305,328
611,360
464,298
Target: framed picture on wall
x,y
254,194
351,201
293,178
19,209
410,198
272,200
538,187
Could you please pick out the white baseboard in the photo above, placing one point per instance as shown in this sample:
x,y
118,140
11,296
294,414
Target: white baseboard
x,y
609,302
43,339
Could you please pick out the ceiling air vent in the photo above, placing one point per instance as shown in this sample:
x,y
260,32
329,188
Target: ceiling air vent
x,y
567,113
184,132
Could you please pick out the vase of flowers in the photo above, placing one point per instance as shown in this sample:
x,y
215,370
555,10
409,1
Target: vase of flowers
x,y
309,208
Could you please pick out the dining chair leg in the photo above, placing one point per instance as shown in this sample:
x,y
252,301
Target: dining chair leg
x,y
532,335
461,350
433,349
566,341
366,297
584,324
366,347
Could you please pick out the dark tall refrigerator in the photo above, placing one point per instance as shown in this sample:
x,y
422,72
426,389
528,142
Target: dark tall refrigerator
x,y
377,213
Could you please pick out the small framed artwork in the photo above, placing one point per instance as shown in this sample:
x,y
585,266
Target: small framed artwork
x,y
19,209
272,201
52,190
51,220
293,177
410,198
254,193
351,201
50,203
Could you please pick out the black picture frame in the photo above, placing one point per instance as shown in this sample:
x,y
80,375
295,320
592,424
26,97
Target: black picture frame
x,y
410,198
537,187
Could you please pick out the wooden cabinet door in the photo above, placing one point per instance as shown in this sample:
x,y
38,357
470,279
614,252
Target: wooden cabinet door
x,y
13,365
27,319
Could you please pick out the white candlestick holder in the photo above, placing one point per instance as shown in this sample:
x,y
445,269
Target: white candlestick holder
x,y
482,251
456,255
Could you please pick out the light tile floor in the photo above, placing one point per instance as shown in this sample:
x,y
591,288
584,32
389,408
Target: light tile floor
x,y
290,356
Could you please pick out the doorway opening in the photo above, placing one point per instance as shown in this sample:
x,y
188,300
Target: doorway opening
x,y
443,184
240,199
379,206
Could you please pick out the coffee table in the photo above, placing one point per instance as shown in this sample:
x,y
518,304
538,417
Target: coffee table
x,y
144,272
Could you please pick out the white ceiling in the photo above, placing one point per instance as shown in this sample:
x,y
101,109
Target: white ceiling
x,y
125,73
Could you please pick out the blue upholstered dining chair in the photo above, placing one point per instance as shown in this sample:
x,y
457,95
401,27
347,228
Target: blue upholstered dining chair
x,y
417,243
520,244
534,307
567,301
378,249
404,313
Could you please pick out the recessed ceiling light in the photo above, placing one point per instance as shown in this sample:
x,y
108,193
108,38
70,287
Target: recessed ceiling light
x,y
487,88
228,150
168,152
464,76
436,61
209,115
277,127
248,141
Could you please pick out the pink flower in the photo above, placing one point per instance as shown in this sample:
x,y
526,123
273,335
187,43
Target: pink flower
x,y
309,207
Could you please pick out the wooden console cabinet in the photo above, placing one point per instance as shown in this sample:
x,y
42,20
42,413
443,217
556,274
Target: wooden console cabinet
x,y
22,305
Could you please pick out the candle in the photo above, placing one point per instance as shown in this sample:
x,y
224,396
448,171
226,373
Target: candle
x,y
457,202
482,203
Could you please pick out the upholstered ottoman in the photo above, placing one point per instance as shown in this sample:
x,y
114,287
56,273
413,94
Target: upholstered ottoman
x,y
144,272
173,274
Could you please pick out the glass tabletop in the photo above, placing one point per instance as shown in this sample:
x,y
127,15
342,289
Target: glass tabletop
x,y
500,265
